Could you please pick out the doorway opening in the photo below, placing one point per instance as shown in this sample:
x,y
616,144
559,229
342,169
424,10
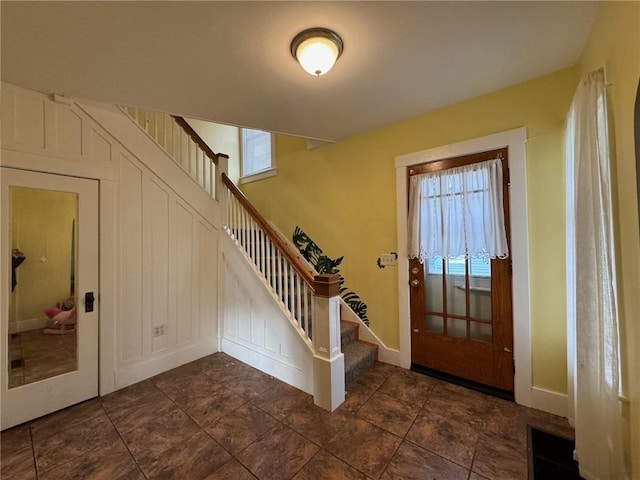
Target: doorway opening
x,y
515,141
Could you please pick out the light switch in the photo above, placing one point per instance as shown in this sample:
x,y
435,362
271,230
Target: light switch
x,y
387,260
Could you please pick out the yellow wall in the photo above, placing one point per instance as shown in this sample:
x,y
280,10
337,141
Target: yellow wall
x,y
221,139
614,42
41,228
343,195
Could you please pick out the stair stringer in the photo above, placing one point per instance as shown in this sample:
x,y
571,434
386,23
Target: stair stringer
x,y
254,327
385,354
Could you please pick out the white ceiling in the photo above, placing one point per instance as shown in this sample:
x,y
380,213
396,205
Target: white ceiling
x,y
230,62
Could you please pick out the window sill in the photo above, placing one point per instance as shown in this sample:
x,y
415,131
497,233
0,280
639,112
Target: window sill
x,y
258,176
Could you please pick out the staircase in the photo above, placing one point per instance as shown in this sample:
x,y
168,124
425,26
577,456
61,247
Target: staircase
x,y
359,356
300,292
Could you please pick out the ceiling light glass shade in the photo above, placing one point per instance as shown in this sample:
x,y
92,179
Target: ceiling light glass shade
x,y
317,50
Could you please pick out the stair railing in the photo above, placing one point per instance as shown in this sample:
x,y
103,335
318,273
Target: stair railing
x,y
311,302
289,279
182,144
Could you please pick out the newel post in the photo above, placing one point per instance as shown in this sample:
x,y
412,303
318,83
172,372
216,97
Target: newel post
x,y
328,360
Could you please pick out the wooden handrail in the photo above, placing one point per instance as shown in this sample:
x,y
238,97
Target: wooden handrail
x,y
283,247
196,138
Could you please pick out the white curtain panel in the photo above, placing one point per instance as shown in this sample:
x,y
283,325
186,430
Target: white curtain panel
x,y
458,212
592,322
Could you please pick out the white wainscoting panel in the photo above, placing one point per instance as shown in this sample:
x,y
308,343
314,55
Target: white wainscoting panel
x,y
29,121
68,132
255,330
130,281
184,273
158,230
158,210
207,289
169,275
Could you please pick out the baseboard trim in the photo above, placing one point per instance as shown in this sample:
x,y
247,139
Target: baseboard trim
x,y
154,366
549,401
26,325
389,355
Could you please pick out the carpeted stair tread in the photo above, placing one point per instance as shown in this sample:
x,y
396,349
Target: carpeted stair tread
x,y
348,332
358,358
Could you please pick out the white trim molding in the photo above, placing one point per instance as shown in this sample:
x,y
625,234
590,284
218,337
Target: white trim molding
x,y
515,141
548,401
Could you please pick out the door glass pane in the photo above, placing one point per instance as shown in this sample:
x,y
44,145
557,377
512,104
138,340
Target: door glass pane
x,y
480,293
435,324
433,288
456,294
456,327
42,313
481,331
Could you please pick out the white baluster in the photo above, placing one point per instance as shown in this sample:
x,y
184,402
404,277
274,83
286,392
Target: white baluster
x,y
268,262
157,117
225,210
263,253
168,134
292,289
285,279
184,151
213,171
298,300
207,175
243,228
202,170
236,229
256,245
279,275
241,224
247,232
306,313
254,240
274,268
175,153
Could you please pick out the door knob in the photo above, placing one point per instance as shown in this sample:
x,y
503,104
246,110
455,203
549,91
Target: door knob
x,y
415,283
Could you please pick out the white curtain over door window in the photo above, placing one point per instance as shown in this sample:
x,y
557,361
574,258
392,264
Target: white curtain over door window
x,y
592,310
458,212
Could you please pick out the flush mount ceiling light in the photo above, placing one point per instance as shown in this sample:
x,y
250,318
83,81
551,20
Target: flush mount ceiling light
x,y
316,49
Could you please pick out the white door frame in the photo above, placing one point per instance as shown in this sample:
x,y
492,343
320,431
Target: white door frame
x,y
59,391
515,140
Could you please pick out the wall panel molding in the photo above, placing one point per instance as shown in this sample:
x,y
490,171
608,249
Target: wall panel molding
x,y
158,230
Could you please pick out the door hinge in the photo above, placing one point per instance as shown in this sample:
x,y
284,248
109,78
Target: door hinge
x,y
508,177
510,267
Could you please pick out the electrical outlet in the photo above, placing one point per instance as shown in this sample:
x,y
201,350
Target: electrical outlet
x,y
159,330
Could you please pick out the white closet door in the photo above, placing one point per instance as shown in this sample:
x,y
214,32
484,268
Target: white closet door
x,y
51,223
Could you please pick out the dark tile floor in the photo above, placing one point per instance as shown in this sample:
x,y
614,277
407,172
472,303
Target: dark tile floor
x,y
218,418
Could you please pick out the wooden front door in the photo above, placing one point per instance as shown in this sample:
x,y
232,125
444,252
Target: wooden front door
x,y
461,309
